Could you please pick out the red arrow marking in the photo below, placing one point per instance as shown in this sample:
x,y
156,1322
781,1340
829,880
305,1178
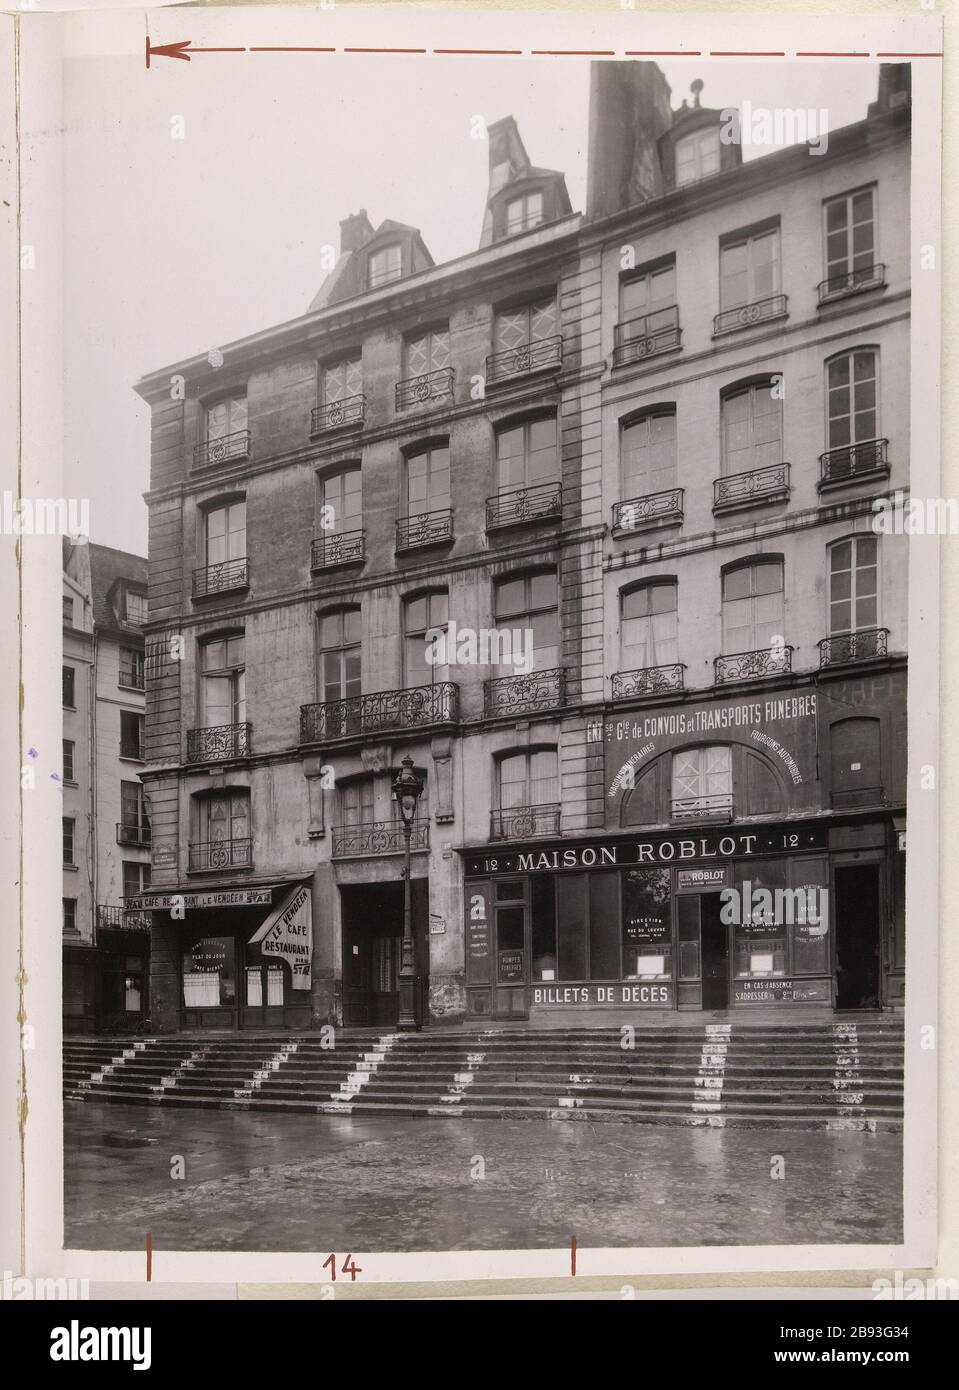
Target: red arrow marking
x,y
179,50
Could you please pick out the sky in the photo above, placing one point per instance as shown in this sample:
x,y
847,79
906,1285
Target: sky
x,y
176,246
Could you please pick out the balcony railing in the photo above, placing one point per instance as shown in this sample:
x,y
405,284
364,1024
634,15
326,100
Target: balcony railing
x,y
221,854
133,752
522,822
651,680
848,464
427,528
119,919
639,338
747,315
525,694
131,680
524,506
542,355
384,711
130,834
717,806
854,646
218,742
227,449
220,578
338,548
646,513
867,277
347,413
426,389
744,666
377,837
758,486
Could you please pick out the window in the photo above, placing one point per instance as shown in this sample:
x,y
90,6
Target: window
x,y
646,292
752,606
341,502
69,687
424,617
68,610
526,454
524,213
133,816
209,973
131,668
428,481
69,748
428,352
752,429
702,781
531,603
648,449
69,916
131,734
342,379
339,654
135,607
697,156
136,877
223,681
225,417
852,398
850,230
648,630
749,269
69,836
356,802
528,779
384,265
531,323
853,587
855,761
226,533
224,819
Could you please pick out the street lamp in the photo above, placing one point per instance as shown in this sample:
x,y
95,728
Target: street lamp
x,y
407,790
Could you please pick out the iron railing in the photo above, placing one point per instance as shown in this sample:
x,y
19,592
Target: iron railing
x,y
377,837
219,578
130,834
867,277
226,449
338,415
643,513
120,919
527,357
426,528
338,548
131,680
221,854
218,742
521,822
425,389
132,751
525,694
639,338
744,666
651,680
383,711
853,461
716,806
522,506
854,646
746,315
769,484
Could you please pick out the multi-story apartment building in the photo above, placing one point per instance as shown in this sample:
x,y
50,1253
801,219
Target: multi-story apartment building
x,y
581,524
106,831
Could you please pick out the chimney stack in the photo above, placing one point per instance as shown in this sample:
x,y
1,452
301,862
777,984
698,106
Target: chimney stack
x,y
629,109
355,231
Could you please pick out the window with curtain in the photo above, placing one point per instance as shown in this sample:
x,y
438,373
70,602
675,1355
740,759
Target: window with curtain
x,y
853,585
648,451
136,877
425,617
223,681
753,606
531,603
357,802
339,664
528,779
226,533
225,417
342,379
752,429
850,232
851,398
427,352
530,323
702,781
648,626
133,814
749,269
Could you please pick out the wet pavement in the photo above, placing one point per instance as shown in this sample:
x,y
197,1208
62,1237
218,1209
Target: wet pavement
x,y
256,1181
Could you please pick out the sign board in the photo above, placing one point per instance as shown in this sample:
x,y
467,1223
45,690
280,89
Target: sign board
x,y
231,897
510,967
701,878
781,991
287,933
615,996
478,934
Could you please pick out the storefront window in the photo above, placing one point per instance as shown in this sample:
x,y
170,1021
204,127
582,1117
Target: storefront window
x,y
209,973
133,985
690,967
785,926
543,927
647,937
810,929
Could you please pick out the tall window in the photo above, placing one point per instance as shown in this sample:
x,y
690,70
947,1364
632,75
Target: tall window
x,y
851,234
648,626
356,801
136,877
69,838
524,213
752,429
131,734
224,817
226,533
852,398
424,617
647,292
428,481
135,607
531,604
427,352
340,498
697,156
225,417
342,379
68,610
702,781
749,269
752,606
649,453
131,668
223,681
339,664
69,687
526,454
133,816
528,779
531,323
69,749
69,915
853,586
384,265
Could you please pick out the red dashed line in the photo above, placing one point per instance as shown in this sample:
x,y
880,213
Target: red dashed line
x,y
664,53
216,50
573,52
287,50
385,50
499,52
804,54
909,55
746,53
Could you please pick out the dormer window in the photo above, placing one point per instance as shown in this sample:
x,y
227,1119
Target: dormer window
x,y
697,156
524,213
384,265
135,607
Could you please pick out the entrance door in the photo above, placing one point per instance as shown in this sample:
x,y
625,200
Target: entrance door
x,y
372,951
715,945
263,987
857,937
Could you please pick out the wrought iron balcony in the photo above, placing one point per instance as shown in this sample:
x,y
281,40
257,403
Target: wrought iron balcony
x,y
426,528
348,413
218,742
229,448
131,680
863,645
338,548
639,338
220,854
867,277
384,711
521,822
427,389
120,919
542,355
747,315
651,680
221,578
752,489
130,834
649,512
525,694
745,666
717,806
377,837
132,752
524,506
852,462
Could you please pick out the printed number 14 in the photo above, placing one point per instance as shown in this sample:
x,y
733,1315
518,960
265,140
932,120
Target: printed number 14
x,y
348,1266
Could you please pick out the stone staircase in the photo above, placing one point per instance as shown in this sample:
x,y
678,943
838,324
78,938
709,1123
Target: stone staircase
x,y
836,1074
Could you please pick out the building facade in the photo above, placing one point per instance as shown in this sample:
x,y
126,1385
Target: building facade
x,y
582,523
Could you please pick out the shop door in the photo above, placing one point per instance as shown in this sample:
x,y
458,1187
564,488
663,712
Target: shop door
x,y
264,986
372,952
857,937
510,992
715,951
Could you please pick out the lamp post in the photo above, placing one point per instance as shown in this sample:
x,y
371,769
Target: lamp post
x,y
407,790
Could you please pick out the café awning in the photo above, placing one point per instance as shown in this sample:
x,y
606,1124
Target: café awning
x,y
287,933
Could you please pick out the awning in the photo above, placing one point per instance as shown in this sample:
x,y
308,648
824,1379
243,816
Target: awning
x,y
287,933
